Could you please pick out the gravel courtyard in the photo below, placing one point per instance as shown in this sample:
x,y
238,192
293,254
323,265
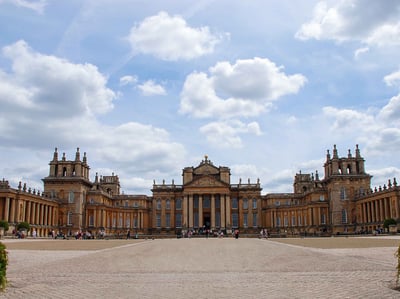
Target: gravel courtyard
x,y
203,268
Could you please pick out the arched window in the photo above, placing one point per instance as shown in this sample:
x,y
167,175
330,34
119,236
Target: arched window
x,y
245,204
234,203
254,203
158,207
343,193
348,169
178,204
64,171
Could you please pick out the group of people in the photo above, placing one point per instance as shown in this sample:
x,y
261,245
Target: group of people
x,y
264,233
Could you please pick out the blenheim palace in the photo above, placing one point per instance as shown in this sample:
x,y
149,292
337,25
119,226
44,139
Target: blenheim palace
x,y
340,202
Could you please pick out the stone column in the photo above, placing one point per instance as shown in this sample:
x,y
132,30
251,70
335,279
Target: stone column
x,y
185,220
46,215
222,209
228,211
201,210
190,211
7,209
212,211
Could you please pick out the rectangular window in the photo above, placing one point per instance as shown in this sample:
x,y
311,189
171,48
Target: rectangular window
x,y
293,221
323,219
278,221
178,204
344,216
196,219
158,220
158,207
305,220
235,220
168,204
120,222
218,219
299,221
69,220
114,222
91,220
245,220
126,204
128,222
255,220
71,197
285,221
254,203
178,220
135,222
167,220
217,201
206,201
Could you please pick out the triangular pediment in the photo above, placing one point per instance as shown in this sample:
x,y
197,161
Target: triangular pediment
x,y
206,181
205,169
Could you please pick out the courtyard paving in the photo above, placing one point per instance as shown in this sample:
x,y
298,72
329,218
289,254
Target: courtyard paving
x,y
203,268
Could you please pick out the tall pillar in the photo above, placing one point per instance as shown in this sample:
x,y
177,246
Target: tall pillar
x,y
381,217
222,208
212,211
41,214
191,211
364,213
385,208
28,212
7,209
185,220
228,211
201,210
33,213
46,214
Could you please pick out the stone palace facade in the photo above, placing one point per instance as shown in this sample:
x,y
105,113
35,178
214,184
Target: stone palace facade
x,y
341,202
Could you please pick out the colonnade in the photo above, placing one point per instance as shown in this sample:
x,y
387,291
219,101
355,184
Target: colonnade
x,y
41,216
377,210
97,218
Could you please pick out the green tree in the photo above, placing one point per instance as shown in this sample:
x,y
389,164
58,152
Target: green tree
x,y
389,221
4,224
3,266
23,225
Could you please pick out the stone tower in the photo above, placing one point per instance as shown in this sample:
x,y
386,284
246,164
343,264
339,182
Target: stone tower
x,y
344,178
68,183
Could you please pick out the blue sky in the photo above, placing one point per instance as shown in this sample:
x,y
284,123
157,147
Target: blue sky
x,y
147,88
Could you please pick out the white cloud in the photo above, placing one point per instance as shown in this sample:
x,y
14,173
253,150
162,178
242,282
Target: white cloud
x,y
371,22
392,79
225,134
170,38
47,99
360,51
245,88
56,85
390,113
349,120
150,88
128,80
37,6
